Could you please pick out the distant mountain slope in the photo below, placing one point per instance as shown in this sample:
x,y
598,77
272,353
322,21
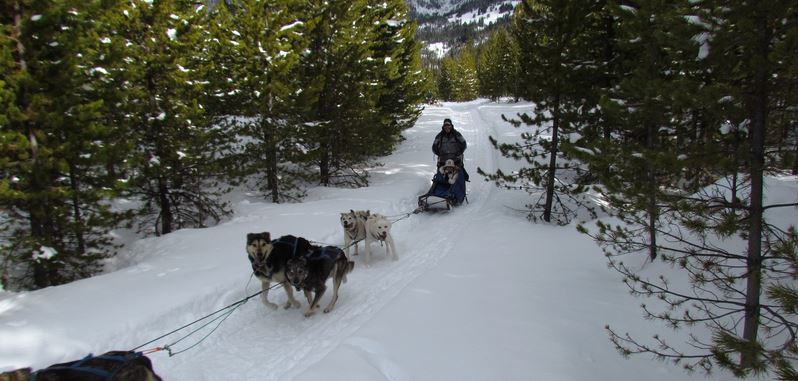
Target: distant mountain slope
x,y
447,24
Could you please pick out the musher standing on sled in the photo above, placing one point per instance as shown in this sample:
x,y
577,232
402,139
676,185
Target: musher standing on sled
x,y
449,144
448,185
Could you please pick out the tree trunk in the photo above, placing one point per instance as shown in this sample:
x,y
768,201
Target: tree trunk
x,y
551,176
651,181
759,102
269,141
167,219
324,163
271,173
78,216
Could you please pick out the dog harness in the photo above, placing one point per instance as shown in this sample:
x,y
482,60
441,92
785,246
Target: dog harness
x,y
281,241
79,366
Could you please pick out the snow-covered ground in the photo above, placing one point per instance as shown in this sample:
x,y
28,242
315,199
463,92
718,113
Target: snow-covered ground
x,y
478,293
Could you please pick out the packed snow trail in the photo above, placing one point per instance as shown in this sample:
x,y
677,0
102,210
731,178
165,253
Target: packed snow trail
x,y
275,345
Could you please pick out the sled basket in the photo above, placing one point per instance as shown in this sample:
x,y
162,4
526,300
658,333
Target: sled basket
x,y
443,195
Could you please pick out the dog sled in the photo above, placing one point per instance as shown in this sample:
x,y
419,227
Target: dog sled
x,y
447,191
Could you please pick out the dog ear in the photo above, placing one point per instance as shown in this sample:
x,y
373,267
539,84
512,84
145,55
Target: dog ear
x,y
267,236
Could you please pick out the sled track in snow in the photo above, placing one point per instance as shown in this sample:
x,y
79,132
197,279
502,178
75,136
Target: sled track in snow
x,y
278,345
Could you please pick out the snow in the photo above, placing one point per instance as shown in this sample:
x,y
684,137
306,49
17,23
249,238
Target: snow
x,y
438,49
490,16
478,293
292,25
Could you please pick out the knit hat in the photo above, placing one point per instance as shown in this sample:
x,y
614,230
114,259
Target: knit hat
x,y
448,121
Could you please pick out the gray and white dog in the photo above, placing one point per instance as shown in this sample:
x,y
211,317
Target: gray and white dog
x,y
354,224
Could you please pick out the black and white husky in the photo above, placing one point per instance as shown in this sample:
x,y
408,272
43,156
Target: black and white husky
x,y
269,259
309,273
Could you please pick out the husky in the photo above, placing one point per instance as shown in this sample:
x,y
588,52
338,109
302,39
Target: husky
x,y
111,366
379,228
269,259
309,273
354,224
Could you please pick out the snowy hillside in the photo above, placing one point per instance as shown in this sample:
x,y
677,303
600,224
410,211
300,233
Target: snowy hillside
x,y
479,293
436,20
431,7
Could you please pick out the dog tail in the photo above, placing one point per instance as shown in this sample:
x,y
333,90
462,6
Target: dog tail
x,y
344,266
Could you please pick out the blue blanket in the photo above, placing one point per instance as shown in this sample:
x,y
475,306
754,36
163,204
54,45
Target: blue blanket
x,y
455,193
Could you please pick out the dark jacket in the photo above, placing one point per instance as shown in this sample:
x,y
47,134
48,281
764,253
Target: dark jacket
x,y
449,145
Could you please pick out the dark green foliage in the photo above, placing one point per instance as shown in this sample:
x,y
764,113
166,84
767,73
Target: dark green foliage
x,y
685,147
498,66
253,49
166,103
558,72
365,78
53,132
174,158
458,79
673,112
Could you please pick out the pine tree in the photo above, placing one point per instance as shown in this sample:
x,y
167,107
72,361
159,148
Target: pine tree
x,y
364,74
399,74
465,84
175,163
497,69
700,95
256,46
555,40
54,142
343,107
444,81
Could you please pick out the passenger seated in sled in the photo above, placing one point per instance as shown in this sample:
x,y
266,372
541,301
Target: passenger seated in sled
x,y
448,188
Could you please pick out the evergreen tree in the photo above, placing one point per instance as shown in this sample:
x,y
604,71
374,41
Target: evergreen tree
x,y
342,107
498,66
699,98
465,84
255,47
174,166
53,141
556,40
444,81
399,74
363,70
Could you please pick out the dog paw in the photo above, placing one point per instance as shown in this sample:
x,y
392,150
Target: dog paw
x,y
327,310
270,304
290,304
309,313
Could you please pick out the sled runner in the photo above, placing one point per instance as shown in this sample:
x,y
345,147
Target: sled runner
x,y
448,189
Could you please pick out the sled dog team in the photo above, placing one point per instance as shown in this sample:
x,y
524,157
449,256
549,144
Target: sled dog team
x,y
295,262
